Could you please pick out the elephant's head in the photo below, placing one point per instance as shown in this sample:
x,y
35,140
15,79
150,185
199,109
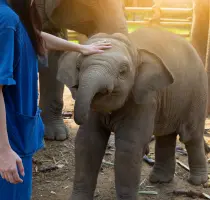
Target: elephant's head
x,y
103,82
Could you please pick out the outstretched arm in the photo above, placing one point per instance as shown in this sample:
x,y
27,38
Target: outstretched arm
x,y
55,43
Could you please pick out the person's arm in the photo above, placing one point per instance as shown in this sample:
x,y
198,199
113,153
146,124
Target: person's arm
x,y
4,143
55,43
10,162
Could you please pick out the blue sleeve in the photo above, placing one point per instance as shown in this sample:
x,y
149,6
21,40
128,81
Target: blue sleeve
x,y
7,56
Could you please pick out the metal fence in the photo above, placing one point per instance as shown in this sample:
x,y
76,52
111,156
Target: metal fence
x,y
175,18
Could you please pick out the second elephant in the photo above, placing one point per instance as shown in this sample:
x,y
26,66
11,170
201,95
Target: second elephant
x,y
142,85
84,16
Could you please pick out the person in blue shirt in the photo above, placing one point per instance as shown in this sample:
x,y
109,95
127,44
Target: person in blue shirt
x,y
21,128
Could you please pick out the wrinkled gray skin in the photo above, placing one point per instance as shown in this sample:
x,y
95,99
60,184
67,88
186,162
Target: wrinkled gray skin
x,y
139,87
86,17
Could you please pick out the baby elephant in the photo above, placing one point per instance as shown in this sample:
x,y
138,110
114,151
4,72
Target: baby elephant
x,y
150,83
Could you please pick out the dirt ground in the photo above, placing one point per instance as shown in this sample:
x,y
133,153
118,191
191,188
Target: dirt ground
x,y
56,184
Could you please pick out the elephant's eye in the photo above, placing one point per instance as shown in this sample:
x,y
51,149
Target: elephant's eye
x,y
123,70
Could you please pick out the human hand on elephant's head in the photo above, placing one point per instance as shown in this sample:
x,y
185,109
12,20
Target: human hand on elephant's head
x,y
97,47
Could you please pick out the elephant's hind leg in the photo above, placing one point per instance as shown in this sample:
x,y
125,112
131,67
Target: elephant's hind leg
x,y
51,100
164,168
197,161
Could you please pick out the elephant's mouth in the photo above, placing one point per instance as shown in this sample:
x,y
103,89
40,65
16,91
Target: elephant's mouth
x,y
105,94
105,101
101,100
99,96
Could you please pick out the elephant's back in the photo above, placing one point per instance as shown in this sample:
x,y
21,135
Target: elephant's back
x,y
185,99
173,50
176,54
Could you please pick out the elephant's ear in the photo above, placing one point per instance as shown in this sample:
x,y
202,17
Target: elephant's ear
x,y
68,72
152,75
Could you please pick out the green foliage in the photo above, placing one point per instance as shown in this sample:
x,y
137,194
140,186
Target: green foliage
x,y
132,28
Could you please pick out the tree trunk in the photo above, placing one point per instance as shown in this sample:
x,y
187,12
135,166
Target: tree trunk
x,y
200,35
207,61
199,32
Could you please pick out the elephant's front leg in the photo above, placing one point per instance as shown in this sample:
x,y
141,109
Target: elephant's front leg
x,y
131,139
91,142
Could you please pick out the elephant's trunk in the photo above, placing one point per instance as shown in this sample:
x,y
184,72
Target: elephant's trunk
x,y
89,86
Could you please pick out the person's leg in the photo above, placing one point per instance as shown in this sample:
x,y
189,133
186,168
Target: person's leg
x,y
21,191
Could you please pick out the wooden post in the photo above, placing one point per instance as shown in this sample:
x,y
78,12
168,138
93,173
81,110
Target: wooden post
x,y
156,12
135,3
207,61
200,36
200,24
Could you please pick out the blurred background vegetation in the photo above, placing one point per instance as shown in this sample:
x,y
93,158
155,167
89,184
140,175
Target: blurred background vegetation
x,y
165,3
139,13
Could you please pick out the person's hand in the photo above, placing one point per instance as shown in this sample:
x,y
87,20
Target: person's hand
x,y
93,48
10,163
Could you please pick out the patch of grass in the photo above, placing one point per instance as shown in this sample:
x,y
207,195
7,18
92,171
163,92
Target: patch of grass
x,y
75,41
133,27
178,31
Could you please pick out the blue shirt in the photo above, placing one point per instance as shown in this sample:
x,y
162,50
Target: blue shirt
x,y
19,76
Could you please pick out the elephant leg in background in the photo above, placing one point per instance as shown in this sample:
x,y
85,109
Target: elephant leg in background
x,y
197,161
90,146
130,140
51,99
164,168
